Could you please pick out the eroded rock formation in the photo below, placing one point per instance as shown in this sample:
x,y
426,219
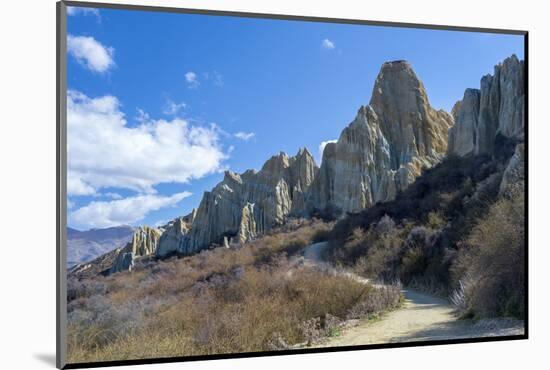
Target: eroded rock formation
x,y
496,108
385,148
462,136
174,234
144,242
382,151
247,204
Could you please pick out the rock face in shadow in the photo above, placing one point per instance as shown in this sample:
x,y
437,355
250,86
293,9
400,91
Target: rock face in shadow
x,y
385,147
462,136
513,179
495,112
497,108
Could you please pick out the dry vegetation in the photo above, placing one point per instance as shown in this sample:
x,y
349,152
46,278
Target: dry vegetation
x,y
491,263
253,298
449,233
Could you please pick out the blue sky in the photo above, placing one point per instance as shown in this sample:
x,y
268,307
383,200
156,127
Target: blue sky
x,y
160,104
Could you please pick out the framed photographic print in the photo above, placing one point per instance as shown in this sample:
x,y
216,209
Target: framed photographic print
x,y
236,185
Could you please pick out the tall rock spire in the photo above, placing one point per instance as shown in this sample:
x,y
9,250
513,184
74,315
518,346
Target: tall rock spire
x,y
385,147
462,136
407,120
496,108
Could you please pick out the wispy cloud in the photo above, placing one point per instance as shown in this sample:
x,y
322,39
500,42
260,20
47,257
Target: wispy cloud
x,y
328,44
142,116
90,53
104,152
172,108
192,80
75,186
76,10
127,211
245,136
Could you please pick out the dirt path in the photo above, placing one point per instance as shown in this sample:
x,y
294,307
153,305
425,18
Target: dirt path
x,y
422,317
312,257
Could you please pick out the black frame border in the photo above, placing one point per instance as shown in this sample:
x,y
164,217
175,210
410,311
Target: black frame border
x,y
61,145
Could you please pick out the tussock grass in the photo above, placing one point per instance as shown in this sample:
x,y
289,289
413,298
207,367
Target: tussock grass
x,y
252,298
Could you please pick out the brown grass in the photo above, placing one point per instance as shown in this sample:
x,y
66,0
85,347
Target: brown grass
x,y
253,298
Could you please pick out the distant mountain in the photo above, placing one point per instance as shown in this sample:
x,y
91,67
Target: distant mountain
x,y
85,246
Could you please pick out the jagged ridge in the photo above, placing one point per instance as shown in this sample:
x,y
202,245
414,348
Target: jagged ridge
x,y
382,151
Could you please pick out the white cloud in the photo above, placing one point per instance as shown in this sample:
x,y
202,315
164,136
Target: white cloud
x,y
322,148
125,211
327,44
142,116
172,108
192,80
75,186
245,136
72,10
90,53
103,151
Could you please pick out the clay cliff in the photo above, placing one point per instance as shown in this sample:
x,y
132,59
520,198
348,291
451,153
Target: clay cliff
x,y
245,205
496,108
385,147
174,234
144,242
494,111
382,151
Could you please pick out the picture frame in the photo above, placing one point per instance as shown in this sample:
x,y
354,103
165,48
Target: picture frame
x,y
62,191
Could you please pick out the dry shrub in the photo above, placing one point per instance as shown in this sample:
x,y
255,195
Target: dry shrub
x,y
436,220
289,239
248,312
218,301
491,262
380,299
383,258
374,253
416,255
